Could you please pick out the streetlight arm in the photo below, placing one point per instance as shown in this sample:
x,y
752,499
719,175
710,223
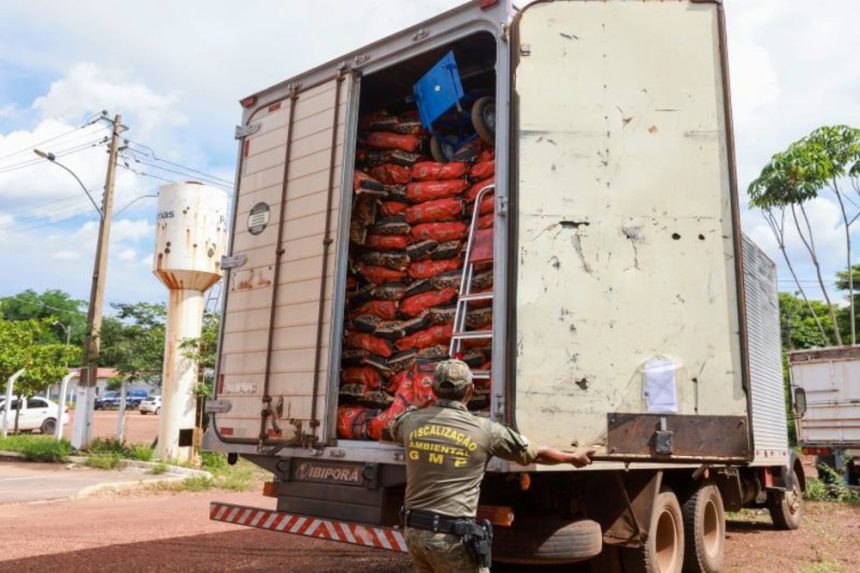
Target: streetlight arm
x,y
130,203
53,159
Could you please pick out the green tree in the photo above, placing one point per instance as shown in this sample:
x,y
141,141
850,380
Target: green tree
x,y
133,341
21,347
53,305
822,161
798,323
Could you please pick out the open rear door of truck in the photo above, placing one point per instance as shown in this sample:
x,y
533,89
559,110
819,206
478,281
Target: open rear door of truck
x,y
273,371
627,273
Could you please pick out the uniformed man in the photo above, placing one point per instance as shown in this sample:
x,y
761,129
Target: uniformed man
x,y
447,450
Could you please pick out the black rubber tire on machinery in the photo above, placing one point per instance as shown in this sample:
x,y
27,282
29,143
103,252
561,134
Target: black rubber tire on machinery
x,y
48,426
662,553
704,530
483,116
786,507
440,150
547,540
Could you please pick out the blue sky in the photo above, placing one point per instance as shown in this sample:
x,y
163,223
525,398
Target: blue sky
x,y
177,86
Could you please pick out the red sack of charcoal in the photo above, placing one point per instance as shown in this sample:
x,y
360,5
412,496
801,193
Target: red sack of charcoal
x,y
392,174
435,211
384,309
429,190
427,269
415,305
473,191
376,427
393,260
486,221
434,171
440,232
362,182
486,154
387,140
480,170
379,120
353,421
364,375
393,207
387,242
396,382
487,204
425,338
422,384
373,344
377,274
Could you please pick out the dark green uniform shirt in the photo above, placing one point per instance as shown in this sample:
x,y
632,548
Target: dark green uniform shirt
x,y
447,450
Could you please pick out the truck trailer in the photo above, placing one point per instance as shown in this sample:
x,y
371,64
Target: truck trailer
x,y
626,311
826,386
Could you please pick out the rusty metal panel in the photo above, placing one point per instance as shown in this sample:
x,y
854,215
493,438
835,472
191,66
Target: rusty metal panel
x,y
275,305
690,437
625,247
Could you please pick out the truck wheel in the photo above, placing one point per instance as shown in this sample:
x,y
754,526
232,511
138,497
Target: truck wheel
x,y
786,507
704,530
48,426
664,550
484,118
547,539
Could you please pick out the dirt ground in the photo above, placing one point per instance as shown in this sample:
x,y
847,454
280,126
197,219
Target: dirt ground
x,y
139,428
172,532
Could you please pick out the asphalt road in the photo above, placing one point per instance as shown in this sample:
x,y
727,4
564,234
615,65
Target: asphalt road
x,y
26,481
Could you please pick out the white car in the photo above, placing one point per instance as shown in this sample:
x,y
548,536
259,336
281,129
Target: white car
x,y
151,405
38,413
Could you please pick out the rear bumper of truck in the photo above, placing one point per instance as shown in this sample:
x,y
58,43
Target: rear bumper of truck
x,y
375,537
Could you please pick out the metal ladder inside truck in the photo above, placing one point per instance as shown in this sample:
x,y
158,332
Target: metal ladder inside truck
x,y
479,249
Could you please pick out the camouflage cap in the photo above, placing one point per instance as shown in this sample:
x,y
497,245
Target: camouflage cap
x,y
451,375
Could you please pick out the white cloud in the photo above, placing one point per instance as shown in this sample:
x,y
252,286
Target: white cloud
x,y
66,255
86,86
127,255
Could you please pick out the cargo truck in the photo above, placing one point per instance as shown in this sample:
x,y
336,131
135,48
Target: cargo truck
x,y
826,385
629,314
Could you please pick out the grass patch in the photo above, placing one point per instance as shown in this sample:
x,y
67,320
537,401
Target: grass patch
x,y
112,446
106,461
37,448
159,469
821,567
140,452
831,488
243,476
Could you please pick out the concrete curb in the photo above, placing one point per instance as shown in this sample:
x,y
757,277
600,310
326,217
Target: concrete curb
x,y
178,471
122,486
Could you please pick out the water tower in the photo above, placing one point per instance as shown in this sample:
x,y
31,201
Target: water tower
x,y
190,237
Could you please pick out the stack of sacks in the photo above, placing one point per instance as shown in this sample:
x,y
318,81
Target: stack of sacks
x,y
408,233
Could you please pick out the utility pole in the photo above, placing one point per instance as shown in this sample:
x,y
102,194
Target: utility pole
x,y
92,342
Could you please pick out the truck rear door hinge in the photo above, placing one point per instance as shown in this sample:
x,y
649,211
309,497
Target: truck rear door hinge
x,y
246,130
501,206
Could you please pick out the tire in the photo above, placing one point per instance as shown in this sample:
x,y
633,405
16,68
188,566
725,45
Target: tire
x,y
546,540
158,411
484,118
441,150
664,550
704,530
49,425
142,413
786,507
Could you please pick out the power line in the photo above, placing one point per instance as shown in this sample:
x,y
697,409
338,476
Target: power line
x,y
61,153
150,154
89,122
